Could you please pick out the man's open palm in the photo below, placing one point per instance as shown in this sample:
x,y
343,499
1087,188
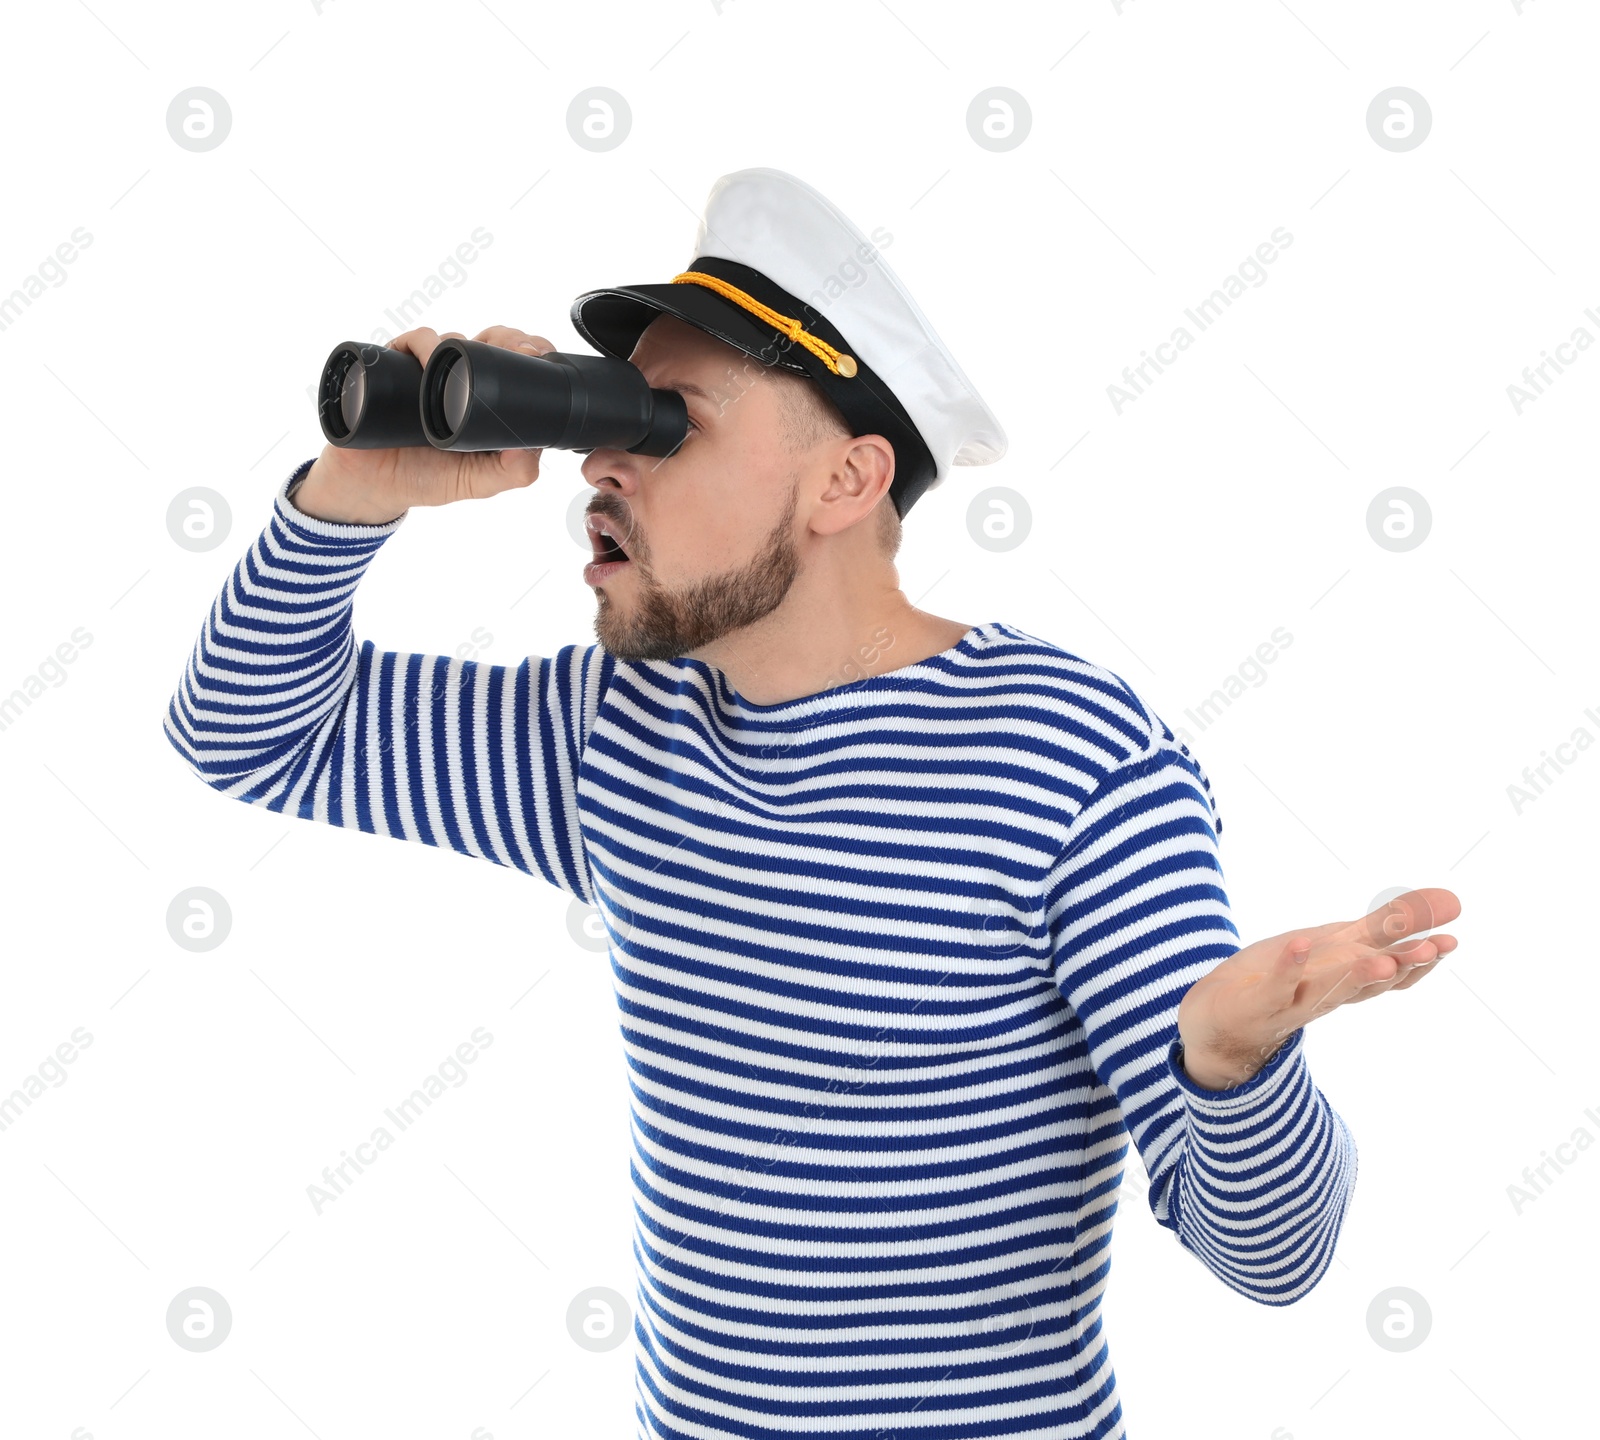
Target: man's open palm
x,y
1234,1019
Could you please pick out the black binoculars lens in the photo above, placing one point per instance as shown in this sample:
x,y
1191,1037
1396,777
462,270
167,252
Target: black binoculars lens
x,y
368,398
456,395
446,395
353,395
474,396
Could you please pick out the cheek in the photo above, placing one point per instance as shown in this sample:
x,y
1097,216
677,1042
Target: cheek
x,y
685,543
718,512
706,529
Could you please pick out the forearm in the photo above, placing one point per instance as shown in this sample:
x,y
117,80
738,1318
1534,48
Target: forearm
x,y
1266,1175
274,661
280,706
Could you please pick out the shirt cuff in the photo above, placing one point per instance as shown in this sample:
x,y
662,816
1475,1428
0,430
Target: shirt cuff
x,y
1251,1093
331,529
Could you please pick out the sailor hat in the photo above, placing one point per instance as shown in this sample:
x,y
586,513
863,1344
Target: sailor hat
x,y
781,274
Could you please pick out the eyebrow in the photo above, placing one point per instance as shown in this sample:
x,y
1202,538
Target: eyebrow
x,y
685,387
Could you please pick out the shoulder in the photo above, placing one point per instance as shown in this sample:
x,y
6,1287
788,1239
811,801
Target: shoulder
x,y
1072,710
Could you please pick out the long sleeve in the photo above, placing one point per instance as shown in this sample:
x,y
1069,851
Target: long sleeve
x,y
279,706
1253,1180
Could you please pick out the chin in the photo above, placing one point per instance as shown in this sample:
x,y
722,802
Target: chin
x,y
625,641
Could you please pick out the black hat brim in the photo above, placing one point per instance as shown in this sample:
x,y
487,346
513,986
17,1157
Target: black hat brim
x,y
613,319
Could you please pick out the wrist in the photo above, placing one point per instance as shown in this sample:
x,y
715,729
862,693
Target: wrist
x,y
324,493
1210,1077
1211,1070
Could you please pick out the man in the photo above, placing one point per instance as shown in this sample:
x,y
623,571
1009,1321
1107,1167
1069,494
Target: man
x,y
911,920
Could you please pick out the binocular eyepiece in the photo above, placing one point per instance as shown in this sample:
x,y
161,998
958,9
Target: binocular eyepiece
x,y
474,396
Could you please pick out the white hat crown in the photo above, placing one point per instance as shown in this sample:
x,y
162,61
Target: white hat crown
x,y
774,222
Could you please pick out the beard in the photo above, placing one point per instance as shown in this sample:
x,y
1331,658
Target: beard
x,y
663,623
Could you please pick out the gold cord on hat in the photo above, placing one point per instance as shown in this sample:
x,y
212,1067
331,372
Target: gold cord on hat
x,y
836,360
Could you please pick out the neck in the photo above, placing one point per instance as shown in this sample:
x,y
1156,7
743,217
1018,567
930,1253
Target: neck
x,y
837,625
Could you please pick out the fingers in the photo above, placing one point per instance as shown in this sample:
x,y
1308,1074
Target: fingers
x,y
1407,914
421,341
418,342
490,472
1336,974
1317,973
1307,988
519,467
1426,948
1404,979
1293,954
1413,953
1418,972
508,337
1414,961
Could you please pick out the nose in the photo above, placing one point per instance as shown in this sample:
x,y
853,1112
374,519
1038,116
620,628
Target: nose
x,y
610,469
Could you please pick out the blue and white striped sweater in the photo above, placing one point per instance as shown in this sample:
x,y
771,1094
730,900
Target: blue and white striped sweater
x,y
898,968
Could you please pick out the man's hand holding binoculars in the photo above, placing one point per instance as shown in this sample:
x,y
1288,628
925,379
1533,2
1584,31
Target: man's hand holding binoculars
x,y
433,418
372,487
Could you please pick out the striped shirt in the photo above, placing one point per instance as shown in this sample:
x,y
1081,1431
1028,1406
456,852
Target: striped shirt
x,y
898,966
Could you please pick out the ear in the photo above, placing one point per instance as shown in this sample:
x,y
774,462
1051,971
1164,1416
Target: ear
x,y
862,470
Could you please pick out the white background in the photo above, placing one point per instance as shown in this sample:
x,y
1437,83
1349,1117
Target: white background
x,y
1231,498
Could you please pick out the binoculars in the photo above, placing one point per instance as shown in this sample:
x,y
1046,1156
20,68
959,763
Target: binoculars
x,y
473,396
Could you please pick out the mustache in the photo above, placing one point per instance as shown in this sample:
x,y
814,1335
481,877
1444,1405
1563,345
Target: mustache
x,y
621,516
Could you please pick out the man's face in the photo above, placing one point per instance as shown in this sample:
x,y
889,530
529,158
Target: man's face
x,y
709,531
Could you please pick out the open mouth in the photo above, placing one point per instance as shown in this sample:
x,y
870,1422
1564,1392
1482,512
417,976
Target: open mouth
x,y
603,536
